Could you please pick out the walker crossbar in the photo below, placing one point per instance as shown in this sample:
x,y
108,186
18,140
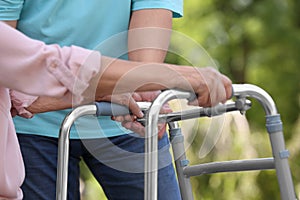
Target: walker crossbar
x,y
196,112
229,166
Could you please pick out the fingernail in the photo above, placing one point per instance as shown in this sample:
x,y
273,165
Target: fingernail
x,y
141,114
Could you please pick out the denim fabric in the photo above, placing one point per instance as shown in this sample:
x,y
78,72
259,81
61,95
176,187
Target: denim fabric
x,y
117,163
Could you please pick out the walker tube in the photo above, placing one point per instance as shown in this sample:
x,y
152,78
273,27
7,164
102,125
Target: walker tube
x,y
181,162
274,128
111,109
151,143
63,148
100,108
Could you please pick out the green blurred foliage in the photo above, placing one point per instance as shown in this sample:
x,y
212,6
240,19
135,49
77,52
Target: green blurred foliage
x,y
252,41
89,187
257,42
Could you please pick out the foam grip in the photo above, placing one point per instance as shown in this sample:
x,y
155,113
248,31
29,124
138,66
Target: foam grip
x,y
111,109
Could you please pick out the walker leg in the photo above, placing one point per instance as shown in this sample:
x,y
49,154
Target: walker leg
x,y
280,154
63,148
177,142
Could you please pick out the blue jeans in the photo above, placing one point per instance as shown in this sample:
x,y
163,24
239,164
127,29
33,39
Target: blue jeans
x,y
117,163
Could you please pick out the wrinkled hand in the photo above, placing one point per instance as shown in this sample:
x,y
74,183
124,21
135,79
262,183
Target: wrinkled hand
x,y
129,121
125,99
211,87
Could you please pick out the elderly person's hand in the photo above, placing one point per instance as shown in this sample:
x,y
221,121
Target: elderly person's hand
x,y
210,86
129,121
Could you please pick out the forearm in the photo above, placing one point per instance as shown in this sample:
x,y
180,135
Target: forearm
x,y
149,35
120,76
47,104
132,82
12,23
155,18
115,76
148,41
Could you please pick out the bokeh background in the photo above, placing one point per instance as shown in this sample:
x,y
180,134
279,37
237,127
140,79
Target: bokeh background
x,y
251,41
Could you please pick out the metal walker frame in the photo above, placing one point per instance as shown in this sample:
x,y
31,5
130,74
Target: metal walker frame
x,y
278,161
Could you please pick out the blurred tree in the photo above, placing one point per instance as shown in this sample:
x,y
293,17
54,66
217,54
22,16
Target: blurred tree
x,y
251,41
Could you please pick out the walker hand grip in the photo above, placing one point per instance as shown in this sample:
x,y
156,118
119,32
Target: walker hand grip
x,y
111,109
232,92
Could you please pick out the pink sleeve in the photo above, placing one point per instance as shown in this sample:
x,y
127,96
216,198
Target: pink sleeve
x,y
32,67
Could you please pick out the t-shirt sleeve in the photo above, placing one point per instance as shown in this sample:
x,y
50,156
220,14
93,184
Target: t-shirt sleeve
x,y
176,6
10,9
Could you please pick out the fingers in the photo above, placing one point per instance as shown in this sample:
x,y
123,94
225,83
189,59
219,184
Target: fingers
x,y
122,118
140,129
161,130
129,122
13,112
228,87
224,91
135,127
166,109
137,96
211,87
128,100
134,108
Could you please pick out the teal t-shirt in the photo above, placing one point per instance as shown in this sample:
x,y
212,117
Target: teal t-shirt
x,y
89,24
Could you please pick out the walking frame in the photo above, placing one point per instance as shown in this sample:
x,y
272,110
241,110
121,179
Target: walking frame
x,y
278,161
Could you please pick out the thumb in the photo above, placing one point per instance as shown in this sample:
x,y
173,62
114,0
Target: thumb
x,y
134,108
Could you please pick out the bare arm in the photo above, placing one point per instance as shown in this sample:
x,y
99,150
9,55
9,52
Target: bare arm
x,y
120,76
12,23
46,104
210,86
154,20
149,35
148,41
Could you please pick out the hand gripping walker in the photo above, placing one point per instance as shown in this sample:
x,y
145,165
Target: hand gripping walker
x,y
278,161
